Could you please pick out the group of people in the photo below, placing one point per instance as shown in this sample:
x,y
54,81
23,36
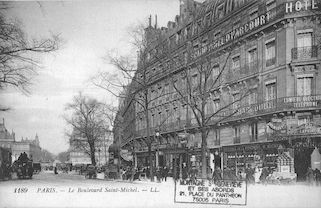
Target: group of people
x,y
313,176
251,175
129,173
23,157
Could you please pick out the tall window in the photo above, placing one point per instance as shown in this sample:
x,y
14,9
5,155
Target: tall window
x,y
216,105
216,70
254,14
270,56
304,39
236,62
237,132
252,55
270,8
304,86
253,98
236,101
194,81
217,136
220,11
254,132
270,92
304,45
252,59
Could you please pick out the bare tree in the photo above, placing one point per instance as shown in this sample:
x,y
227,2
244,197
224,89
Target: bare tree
x,y
132,80
18,63
88,124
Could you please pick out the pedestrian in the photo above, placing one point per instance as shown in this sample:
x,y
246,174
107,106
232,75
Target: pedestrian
x,y
317,174
55,170
310,176
217,174
158,174
264,174
165,173
184,171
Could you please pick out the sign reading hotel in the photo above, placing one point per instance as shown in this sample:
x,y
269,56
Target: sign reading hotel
x,y
203,191
297,6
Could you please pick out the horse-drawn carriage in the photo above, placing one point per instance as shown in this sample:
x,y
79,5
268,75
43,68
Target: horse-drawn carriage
x,y
23,168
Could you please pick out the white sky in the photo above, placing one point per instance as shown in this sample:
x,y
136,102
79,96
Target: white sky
x,y
89,29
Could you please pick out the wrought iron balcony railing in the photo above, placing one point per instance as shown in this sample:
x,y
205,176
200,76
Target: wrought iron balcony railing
x,y
302,53
293,103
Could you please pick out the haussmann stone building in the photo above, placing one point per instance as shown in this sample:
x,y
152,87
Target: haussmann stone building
x,y
271,47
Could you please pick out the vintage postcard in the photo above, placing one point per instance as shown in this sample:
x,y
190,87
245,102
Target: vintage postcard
x,y
160,103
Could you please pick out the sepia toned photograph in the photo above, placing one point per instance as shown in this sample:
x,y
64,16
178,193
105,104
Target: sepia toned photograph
x,y
160,103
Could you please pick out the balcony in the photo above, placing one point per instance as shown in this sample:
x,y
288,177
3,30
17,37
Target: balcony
x,y
295,103
303,53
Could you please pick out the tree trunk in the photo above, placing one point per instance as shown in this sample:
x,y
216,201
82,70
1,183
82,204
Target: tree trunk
x,y
204,150
150,158
92,155
149,140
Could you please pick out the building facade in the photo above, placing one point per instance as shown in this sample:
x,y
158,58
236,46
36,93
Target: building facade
x,y
6,138
271,47
79,156
31,147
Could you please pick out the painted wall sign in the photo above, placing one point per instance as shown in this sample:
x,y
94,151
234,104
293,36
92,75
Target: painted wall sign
x,y
233,34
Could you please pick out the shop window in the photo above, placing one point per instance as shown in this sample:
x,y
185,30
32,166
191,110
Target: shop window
x,y
254,132
270,53
270,91
304,120
304,85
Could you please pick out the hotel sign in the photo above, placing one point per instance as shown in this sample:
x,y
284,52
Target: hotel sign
x,y
297,6
233,34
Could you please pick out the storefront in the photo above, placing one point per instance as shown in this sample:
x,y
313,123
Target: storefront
x,y
240,157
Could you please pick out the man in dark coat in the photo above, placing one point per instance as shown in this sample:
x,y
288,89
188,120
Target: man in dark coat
x,y
317,174
217,174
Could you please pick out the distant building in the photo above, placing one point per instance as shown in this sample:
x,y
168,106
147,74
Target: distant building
x,y
79,156
31,147
6,138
